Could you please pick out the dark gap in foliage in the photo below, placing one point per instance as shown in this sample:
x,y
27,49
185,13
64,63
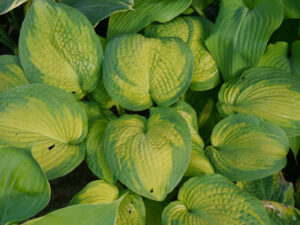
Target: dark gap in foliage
x,y
114,110
85,98
101,28
292,170
64,188
144,113
211,12
288,31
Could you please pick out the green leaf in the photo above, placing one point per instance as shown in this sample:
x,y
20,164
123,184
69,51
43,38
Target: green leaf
x,y
139,71
291,8
92,110
101,96
241,33
269,93
24,189
104,213
271,188
49,121
145,12
199,5
7,5
277,56
131,209
199,163
246,147
149,157
58,46
154,210
97,10
297,196
295,145
94,151
11,72
193,31
281,214
212,199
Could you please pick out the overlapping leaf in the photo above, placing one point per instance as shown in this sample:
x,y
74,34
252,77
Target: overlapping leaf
x,y
97,10
94,151
24,189
145,12
245,147
149,157
295,145
192,30
7,5
241,33
139,71
271,188
58,46
291,8
101,96
212,199
281,214
131,210
199,163
11,72
47,119
269,93
103,213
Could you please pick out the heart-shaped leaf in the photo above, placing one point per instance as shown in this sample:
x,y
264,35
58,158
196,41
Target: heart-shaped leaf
x,y
94,151
58,46
241,34
281,214
103,213
131,209
11,72
47,119
24,189
139,71
145,12
149,157
245,147
193,31
271,188
199,163
7,5
264,92
97,10
212,199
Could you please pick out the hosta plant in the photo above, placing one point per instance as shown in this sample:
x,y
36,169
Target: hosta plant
x,y
149,112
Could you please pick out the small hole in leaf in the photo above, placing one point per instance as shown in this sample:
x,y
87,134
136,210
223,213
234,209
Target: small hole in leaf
x,y
17,133
73,92
151,190
51,147
129,211
131,202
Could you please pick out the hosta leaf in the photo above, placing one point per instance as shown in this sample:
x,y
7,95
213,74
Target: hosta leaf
x,y
192,30
199,5
58,46
97,10
131,209
212,199
11,72
103,213
24,189
7,5
291,8
92,110
149,157
295,145
277,55
96,192
246,147
264,92
101,96
241,33
281,214
271,188
47,119
297,196
94,151
139,71
199,163
145,12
